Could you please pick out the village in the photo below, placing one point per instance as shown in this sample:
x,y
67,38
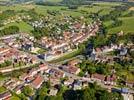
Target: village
x,y
19,51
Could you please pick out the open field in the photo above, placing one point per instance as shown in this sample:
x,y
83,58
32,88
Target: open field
x,y
127,25
132,8
43,9
108,3
103,9
54,0
24,27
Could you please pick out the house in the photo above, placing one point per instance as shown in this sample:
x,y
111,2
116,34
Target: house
x,y
5,95
33,72
12,83
121,33
37,82
85,84
56,73
43,67
98,50
3,50
23,77
54,81
71,69
98,77
18,89
130,83
29,79
77,85
68,82
53,92
73,62
2,60
110,80
123,51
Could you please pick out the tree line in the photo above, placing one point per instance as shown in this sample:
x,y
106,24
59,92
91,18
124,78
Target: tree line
x,y
9,30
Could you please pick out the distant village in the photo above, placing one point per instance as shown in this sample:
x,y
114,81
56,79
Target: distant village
x,y
19,51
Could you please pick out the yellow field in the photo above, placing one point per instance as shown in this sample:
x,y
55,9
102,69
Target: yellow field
x,y
132,8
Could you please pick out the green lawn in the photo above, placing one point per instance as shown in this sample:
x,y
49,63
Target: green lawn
x,y
2,89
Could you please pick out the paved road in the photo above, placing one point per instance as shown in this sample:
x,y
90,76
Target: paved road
x,y
16,68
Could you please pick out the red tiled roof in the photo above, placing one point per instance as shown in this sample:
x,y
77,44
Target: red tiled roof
x,y
77,25
4,50
57,73
5,95
73,69
38,80
98,76
70,69
98,49
73,62
43,67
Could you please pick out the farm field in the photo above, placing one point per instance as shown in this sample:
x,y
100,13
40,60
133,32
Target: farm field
x,y
54,0
127,25
101,8
24,27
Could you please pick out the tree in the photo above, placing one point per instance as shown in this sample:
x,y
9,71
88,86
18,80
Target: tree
x,y
22,96
70,95
105,95
101,70
9,30
27,90
89,94
91,70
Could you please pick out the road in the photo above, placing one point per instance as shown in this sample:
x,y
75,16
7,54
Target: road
x,y
73,76
10,69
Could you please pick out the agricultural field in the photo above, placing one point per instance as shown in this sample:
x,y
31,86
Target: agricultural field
x,y
23,26
127,25
54,0
100,8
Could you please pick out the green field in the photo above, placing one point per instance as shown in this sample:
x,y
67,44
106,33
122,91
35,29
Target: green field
x,y
127,25
54,0
24,27
2,89
103,9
